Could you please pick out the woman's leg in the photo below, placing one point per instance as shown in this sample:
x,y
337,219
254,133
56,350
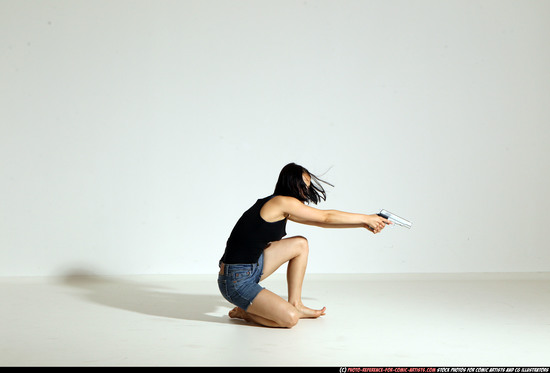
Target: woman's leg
x,y
269,309
295,251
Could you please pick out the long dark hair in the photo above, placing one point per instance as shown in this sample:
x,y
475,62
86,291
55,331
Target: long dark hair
x,y
291,183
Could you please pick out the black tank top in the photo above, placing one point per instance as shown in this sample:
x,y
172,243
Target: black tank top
x,y
251,235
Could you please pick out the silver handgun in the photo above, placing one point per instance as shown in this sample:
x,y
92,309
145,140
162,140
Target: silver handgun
x,y
395,219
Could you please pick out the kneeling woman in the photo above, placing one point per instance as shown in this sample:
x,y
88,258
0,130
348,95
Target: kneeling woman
x,y
256,248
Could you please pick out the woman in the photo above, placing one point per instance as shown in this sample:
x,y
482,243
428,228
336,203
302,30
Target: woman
x,y
256,248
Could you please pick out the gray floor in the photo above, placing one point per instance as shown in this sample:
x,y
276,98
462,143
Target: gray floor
x,y
372,320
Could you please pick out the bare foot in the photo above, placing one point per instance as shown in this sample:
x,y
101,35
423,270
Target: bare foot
x,y
309,313
239,313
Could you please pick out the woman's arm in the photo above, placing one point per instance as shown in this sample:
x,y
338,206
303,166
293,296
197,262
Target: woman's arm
x,y
298,212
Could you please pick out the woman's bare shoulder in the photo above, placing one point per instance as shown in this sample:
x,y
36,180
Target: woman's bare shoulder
x,y
276,208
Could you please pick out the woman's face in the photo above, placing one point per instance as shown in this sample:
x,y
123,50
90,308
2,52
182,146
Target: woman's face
x,y
307,180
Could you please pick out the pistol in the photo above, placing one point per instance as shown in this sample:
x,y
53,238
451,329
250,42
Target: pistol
x,y
395,219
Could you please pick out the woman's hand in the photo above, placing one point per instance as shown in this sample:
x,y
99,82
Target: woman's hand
x,y
376,223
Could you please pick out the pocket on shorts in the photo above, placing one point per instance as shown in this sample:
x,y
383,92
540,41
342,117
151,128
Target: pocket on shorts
x,y
240,276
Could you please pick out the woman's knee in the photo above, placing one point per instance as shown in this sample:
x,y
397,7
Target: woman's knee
x,y
302,244
290,319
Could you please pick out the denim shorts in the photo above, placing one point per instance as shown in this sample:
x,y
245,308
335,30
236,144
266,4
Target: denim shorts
x,y
239,282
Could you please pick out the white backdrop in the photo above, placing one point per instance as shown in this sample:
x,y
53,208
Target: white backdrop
x,y
133,134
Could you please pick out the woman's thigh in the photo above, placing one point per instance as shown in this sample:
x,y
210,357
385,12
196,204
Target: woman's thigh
x,y
280,252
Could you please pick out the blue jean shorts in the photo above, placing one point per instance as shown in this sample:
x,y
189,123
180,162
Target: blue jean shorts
x,y
239,282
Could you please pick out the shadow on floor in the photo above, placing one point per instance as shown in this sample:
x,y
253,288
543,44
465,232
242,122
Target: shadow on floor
x,y
149,299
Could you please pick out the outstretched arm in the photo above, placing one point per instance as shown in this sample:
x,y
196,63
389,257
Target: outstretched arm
x,y
298,212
